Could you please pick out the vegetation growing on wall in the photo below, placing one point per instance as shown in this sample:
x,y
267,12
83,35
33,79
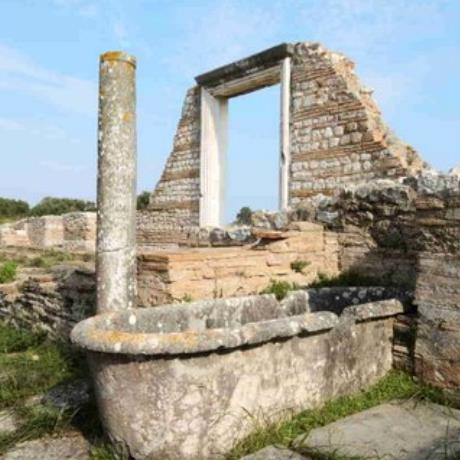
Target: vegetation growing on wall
x,y
8,272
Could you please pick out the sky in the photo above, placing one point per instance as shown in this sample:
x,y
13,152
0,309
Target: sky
x,y
408,51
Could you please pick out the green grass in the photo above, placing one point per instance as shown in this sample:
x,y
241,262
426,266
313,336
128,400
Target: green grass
x,y
299,265
29,366
8,272
396,385
279,288
42,258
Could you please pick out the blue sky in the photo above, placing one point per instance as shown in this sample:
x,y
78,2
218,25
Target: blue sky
x,y
407,50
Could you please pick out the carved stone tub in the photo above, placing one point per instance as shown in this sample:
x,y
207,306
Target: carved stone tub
x,y
186,381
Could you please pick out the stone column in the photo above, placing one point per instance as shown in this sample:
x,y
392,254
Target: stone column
x,y
116,183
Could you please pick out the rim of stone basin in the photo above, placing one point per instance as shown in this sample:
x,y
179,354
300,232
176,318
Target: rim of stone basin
x,y
101,333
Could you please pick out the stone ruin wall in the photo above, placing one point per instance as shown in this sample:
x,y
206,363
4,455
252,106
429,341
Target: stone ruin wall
x,y
337,138
406,232
73,232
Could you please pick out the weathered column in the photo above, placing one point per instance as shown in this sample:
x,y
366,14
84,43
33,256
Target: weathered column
x,y
116,183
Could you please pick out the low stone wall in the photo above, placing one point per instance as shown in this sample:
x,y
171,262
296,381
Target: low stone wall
x,y
206,273
437,348
407,233
74,231
52,303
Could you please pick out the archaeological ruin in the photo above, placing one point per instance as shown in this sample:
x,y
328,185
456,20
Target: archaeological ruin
x,y
188,325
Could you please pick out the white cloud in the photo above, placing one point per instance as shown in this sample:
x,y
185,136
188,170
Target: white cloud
x,y
220,33
18,72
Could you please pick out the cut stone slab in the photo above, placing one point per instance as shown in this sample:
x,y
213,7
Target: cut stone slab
x,y
8,422
405,431
275,453
72,446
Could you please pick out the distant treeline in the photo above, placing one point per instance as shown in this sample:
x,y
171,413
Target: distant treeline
x,y
15,209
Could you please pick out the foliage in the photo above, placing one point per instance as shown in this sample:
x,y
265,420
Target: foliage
x,y
13,208
58,206
244,216
8,272
279,288
299,265
347,278
395,385
143,200
30,366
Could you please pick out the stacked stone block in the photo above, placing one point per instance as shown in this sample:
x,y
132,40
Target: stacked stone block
x,y
206,273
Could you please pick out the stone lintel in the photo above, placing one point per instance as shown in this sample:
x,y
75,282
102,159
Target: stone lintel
x,y
267,58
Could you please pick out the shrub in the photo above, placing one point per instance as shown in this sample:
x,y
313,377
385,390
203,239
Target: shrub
x,y
8,272
279,288
244,216
58,206
13,208
143,200
299,265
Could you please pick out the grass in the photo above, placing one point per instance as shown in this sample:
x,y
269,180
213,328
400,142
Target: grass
x,y
29,366
8,272
396,385
279,288
299,265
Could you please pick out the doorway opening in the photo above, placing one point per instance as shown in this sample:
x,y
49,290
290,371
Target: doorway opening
x,y
252,163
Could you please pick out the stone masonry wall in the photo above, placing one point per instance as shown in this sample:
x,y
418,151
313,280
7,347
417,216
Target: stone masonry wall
x,y
174,204
206,273
51,303
407,233
74,231
337,135
337,138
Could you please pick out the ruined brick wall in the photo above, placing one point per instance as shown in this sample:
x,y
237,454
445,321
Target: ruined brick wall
x,y
206,273
74,231
407,234
174,204
338,137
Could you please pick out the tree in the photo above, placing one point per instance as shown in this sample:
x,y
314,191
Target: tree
x,y
143,201
13,208
244,216
58,206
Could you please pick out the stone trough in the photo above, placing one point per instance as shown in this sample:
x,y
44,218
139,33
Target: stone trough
x,y
187,381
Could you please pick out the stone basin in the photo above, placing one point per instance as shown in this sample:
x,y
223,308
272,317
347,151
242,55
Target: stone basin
x,y
187,381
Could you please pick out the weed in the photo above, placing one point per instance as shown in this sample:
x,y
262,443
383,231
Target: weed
x,y
299,265
8,272
186,298
279,288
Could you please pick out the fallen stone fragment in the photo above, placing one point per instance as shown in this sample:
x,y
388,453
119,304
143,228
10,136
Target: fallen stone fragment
x,y
73,446
70,395
405,431
274,453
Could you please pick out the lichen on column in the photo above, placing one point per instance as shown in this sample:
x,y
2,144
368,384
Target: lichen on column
x,y
116,184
